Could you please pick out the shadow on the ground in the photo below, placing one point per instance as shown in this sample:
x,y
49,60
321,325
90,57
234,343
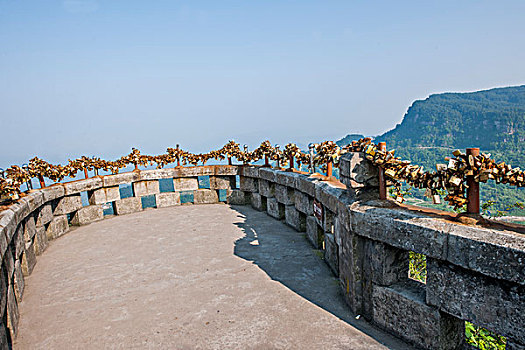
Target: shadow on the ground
x,y
286,256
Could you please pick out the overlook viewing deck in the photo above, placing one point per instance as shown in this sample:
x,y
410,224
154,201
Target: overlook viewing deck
x,y
189,277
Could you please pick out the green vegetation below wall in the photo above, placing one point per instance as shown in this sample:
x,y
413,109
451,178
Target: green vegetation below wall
x,y
493,120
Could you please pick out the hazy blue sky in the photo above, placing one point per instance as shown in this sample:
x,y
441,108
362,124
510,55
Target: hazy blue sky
x,y
99,77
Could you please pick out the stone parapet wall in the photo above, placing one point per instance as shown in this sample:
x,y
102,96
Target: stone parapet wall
x,y
474,274
42,215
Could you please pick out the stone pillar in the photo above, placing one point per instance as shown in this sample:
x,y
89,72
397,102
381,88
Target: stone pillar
x,y
359,175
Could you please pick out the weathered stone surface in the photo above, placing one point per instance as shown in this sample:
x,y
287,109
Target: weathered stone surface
x,y
249,184
286,178
3,246
155,174
40,240
266,188
224,170
3,296
303,203
514,345
145,188
17,242
314,233
205,196
20,210
45,215
284,194
104,195
89,184
306,184
328,195
294,218
29,228
28,259
34,200
19,283
222,182
258,201
68,204
57,227
185,184
351,255
195,171
4,342
250,171
405,230
331,254
328,221
13,315
267,174
401,309
361,171
167,199
87,215
9,263
486,302
238,197
120,179
274,208
8,223
53,192
499,254
128,205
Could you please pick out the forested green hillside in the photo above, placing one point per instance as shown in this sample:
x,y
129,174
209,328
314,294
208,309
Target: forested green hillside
x,y
493,120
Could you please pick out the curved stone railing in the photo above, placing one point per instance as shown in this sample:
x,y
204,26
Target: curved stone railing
x,y
474,273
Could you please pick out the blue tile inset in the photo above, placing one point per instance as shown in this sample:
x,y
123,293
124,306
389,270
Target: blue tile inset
x,y
166,185
108,209
186,197
204,181
148,201
126,191
223,195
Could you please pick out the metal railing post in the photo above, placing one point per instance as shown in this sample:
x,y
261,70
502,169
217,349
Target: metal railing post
x,y
473,186
382,180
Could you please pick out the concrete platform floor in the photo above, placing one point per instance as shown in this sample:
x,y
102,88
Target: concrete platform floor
x,y
188,277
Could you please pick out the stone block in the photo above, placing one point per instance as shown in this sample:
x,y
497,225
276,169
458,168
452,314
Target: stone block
x,y
249,184
286,178
267,174
120,179
3,295
266,188
514,345
45,215
9,263
87,215
128,205
294,218
222,182
8,224
401,309
40,240
68,204
4,340
146,188
13,314
329,195
34,199
28,260
314,233
194,171
167,199
274,208
331,254
3,246
328,221
303,203
155,174
306,184
17,242
185,184
360,170
19,284
226,170
104,195
29,228
494,304
205,196
250,171
53,192
351,255
401,229
258,201
284,194
20,210
89,184
238,197
57,227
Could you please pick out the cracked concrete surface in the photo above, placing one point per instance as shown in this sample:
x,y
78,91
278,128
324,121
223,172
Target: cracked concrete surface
x,y
188,277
